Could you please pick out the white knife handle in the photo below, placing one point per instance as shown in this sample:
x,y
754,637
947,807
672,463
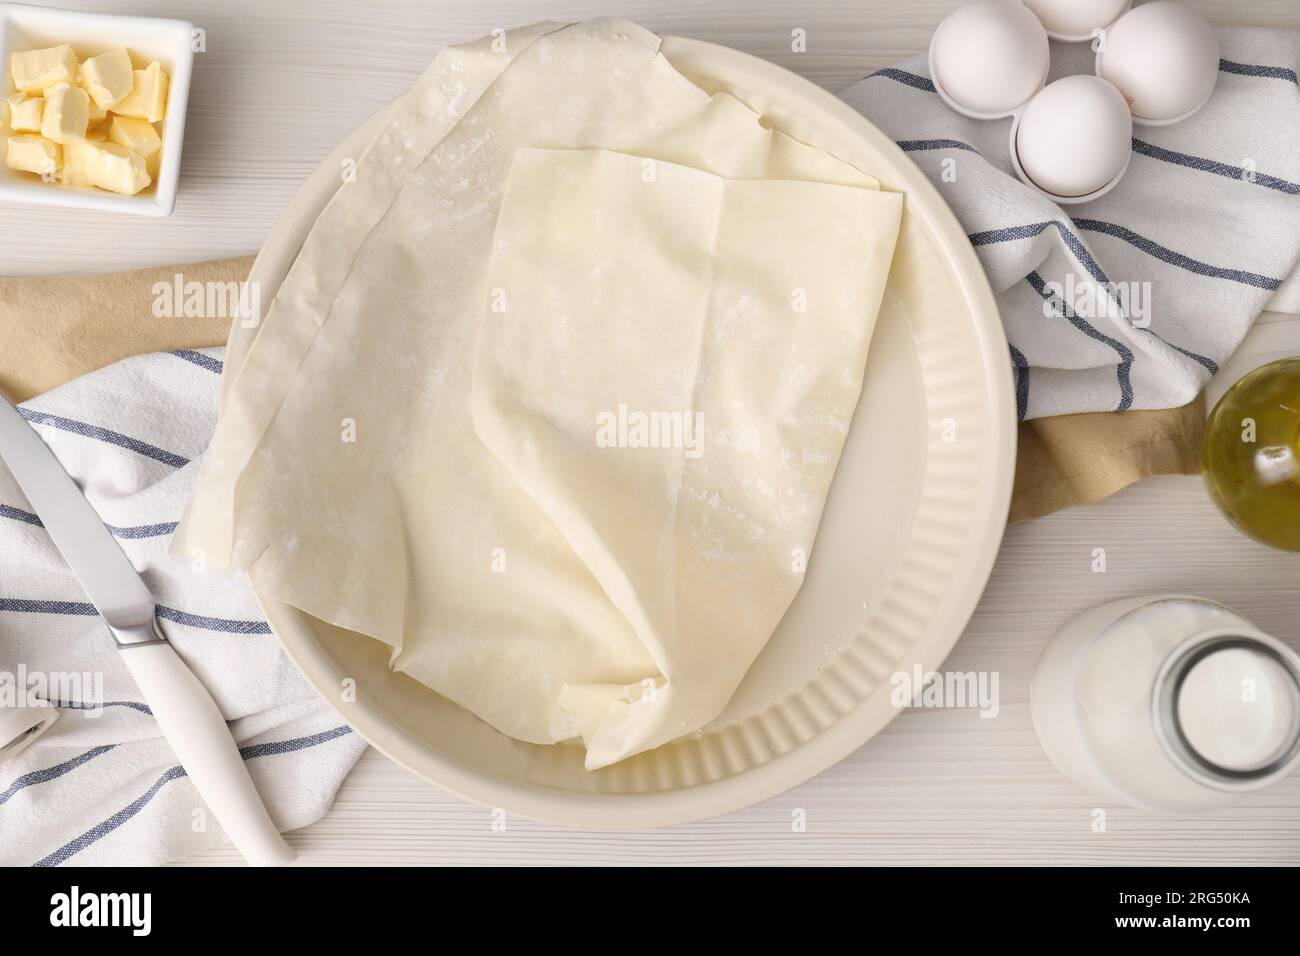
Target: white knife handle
x,y
193,725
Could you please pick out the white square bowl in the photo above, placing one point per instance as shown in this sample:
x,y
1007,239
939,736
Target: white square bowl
x,y
24,27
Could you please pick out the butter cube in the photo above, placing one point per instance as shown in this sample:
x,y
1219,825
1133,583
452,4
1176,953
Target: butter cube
x,y
148,97
95,112
25,113
75,154
138,135
32,154
37,70
108,77
66,114
74,162
115,168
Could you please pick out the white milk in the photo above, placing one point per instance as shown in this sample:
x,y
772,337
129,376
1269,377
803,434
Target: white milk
x,y
1172,703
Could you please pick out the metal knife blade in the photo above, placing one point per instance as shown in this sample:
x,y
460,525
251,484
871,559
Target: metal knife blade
x,y
113,584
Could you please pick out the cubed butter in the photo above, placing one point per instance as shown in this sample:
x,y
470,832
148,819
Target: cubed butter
x,y
74,162
25,113
115,168
37,70
108,77
96,112
66,114
33,154
136,134
148,97
139,135
87,124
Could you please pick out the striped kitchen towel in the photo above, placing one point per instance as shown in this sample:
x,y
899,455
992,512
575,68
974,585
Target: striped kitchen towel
x,y
1132,300
102,786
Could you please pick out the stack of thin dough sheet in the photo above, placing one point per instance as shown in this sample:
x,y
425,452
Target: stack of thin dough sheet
x,y
552,398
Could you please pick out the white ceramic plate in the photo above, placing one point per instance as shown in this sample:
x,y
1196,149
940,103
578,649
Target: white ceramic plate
x,y
913,522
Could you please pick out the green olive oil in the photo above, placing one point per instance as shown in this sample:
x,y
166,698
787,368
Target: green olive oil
x,y
1251,454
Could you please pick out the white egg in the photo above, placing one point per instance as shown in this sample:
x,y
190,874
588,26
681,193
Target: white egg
x,y
1164,57
1076,19
987,58
1075,137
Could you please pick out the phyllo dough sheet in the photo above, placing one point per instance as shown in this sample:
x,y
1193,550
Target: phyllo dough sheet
x,y
347,475
670,372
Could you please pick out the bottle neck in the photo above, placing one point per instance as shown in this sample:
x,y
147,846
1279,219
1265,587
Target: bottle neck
x,y
1227,709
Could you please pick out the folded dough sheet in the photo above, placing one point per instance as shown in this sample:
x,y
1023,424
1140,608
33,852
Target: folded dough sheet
x,y
552,398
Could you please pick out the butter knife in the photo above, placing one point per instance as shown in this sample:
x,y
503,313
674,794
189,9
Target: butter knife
x,y
185,711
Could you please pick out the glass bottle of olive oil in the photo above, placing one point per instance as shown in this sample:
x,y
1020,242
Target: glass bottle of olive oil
x,y
1251,454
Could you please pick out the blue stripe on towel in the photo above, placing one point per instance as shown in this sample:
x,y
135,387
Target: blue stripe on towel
x,y
1142,148
104,435
81,705
919,82
1208,364
226,625
30,606
136,532
103,829
17,514
918,145
273,747
85,609
1009,234
1225,170
914,80
129,533
1251,69
52,773
991,237
1022,381
1164,254
199,359
1126,356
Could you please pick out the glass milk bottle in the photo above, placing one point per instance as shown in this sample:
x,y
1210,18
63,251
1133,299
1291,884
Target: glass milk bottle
x,y
1172,703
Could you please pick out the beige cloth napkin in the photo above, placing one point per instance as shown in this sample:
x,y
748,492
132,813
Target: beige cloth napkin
x,y
1068,460
55,329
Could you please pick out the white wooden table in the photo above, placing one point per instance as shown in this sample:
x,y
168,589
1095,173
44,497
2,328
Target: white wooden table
x,y
284,80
